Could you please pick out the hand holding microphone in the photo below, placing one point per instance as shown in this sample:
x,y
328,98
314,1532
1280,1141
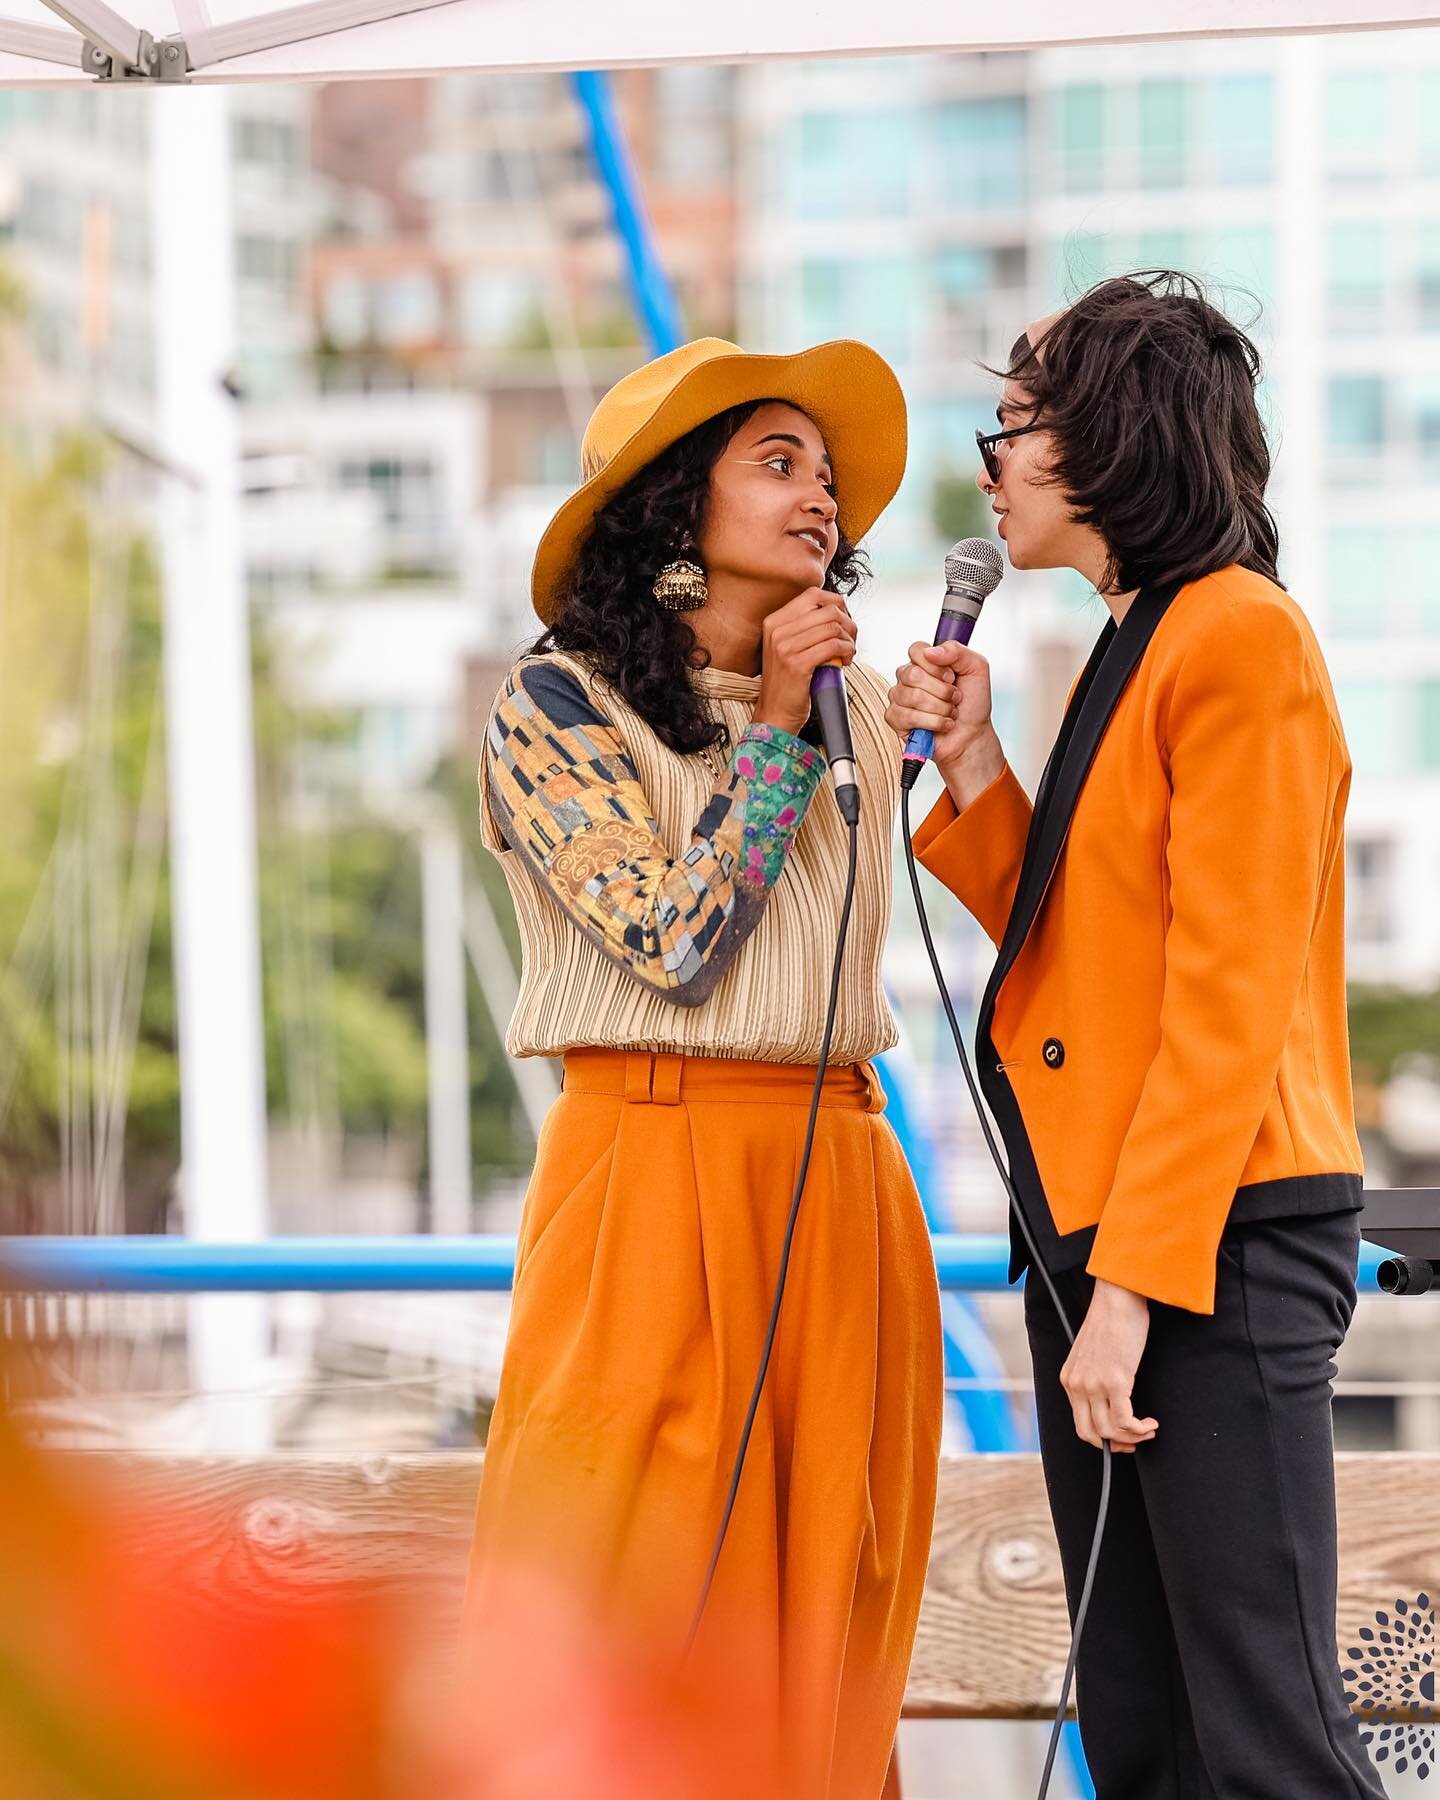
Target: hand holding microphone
x,y
941,700
798,638
806,646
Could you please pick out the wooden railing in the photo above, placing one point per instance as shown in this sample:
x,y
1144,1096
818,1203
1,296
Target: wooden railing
x,y
993,1630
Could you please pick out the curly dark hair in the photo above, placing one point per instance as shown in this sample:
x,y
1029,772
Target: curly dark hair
x,y
1149,390
607,612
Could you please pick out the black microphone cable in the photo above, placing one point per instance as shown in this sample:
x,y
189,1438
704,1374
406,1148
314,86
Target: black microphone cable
x,y
852,820
1037,1260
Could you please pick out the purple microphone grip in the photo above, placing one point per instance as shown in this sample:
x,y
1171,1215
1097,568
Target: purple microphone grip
x,y
954,628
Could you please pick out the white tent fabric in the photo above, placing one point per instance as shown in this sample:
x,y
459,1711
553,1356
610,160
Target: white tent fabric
x,y
329,40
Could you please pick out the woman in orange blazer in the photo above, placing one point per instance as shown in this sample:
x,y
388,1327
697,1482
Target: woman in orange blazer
x,y
1163,1043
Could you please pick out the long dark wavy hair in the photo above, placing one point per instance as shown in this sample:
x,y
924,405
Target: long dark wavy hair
x,y
1149,391
607,612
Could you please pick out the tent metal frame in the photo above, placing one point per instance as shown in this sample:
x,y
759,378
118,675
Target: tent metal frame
x,y
108,47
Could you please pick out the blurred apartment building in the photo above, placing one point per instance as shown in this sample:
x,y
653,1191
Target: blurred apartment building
x,y
935,206
431,297
501,276
76,224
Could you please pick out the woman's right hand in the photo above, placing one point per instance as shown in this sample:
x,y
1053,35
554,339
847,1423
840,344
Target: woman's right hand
x,y
813,628
945,689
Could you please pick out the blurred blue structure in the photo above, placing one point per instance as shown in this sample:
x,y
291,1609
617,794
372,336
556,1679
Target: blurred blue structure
x,y
965,1262
968,1350
969,1353
649,284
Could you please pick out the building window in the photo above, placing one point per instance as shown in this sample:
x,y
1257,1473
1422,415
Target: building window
x,y
872,298
1429,720
1427,277
1423,585
1369,889
965,272
1427,121
345,308
408,308
1162,133
270,143
1355,275
817,166
1376,717
880,148
1359,593
1242,128
1357,413
1082,137
1425,390
983,153
494,305
51,216
978,297
1161,247
1079,260
853,164
268,261
1245,255
556,457
408,490
1355,103
694,142
487,176
822,300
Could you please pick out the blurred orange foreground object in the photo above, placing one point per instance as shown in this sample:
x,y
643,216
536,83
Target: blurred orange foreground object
x,y
139,1660
556,1706
122,1675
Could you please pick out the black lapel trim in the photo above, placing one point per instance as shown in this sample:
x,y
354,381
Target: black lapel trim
x,y
1114,659
1067,726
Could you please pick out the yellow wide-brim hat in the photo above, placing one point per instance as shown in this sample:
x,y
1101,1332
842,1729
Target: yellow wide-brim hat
x,y
847,388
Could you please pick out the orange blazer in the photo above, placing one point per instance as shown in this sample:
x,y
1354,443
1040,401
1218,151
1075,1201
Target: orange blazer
x,y
1163,1040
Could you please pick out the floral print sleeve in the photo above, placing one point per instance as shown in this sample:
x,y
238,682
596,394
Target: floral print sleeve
x,y
569,801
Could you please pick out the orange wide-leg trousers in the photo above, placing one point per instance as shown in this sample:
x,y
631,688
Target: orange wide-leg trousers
x,y
646,1266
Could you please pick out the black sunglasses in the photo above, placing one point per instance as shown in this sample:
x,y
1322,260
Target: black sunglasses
x,y
987,440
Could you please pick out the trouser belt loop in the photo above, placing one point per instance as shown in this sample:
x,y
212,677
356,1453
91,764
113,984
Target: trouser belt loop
x,y
639,1071
665,1078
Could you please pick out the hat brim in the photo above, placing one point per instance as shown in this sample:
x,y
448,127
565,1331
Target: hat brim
x,y
848,389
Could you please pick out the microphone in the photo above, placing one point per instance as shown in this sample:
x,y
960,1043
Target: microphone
x,y
827,690
972,573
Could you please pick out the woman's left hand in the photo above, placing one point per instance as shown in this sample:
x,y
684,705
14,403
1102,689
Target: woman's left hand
x,y
1099,1373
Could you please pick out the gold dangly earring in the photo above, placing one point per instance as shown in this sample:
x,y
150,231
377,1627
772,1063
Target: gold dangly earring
x,y
680,585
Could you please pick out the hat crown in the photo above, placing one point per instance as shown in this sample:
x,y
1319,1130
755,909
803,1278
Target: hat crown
x,y
846,388
636,397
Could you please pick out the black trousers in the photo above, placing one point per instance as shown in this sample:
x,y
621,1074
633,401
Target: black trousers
x,y
1208,1667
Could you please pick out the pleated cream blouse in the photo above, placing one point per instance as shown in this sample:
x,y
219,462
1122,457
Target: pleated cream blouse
x,y
769,1004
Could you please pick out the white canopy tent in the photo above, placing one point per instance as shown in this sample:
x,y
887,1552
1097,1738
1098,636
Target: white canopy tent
x,y
337,40
210,43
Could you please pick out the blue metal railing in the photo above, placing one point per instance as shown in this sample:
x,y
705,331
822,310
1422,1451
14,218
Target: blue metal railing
x,y
971,1263
965,1263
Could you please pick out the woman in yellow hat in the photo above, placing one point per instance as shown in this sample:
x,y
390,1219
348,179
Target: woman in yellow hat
x,y
656,797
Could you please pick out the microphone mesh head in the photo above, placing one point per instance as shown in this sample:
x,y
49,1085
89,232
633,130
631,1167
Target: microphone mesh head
x,y
974,566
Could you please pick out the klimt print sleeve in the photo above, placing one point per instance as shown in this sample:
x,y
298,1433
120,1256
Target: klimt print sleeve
x,y
569,801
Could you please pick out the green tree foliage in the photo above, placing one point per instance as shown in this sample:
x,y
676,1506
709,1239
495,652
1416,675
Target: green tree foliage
x,y
81,723
958,509
1387,1024
56,672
